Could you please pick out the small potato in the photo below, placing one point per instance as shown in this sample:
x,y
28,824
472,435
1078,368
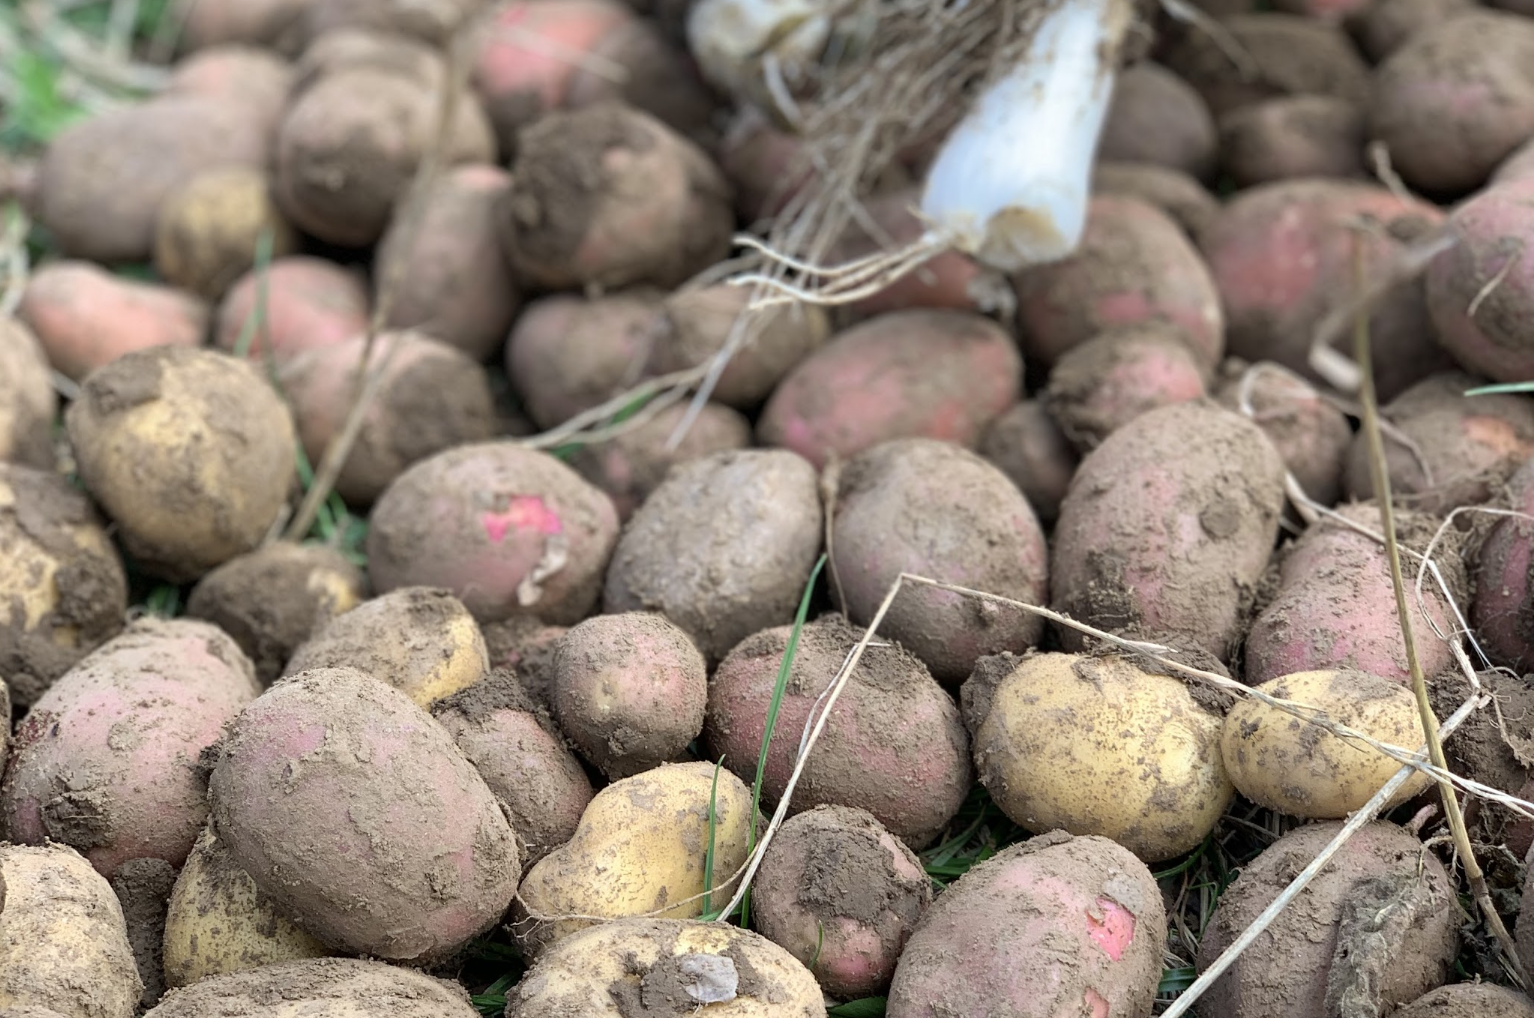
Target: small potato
x,y
640,848
525,646
1085,913
430,397
841,894
272,23
510,531
1293,136
1108,381
252,77
1380,27
1279,761
920,373
432,23
361,48
420,640
384,840
613,969
609,195
766,166
723,548
1469,1000
28,404
515,747
1156,117
219,922
308,303
631,465
1504,588
629,690
1134,266
569,353
1101,746
333,987
86,318
190,453
949,279
1308,431
454,282
63,941
1028,446
1178,195
209,229
62,585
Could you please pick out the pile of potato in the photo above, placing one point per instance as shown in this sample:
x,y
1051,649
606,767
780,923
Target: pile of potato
x,y
536,714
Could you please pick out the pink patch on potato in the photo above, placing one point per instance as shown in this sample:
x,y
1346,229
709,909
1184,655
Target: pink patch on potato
x,y
1111,927
525,55
522,512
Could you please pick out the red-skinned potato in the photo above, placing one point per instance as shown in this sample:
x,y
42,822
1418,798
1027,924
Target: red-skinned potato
x,y
234,73
1029,447
1381,27
569,353
432,23
1517,166
309,302
767,166
1106,382
1504,594
632,465
950,279
28,403
1308,431
274,23
1469,1000
1293,136
1156,117
1187,201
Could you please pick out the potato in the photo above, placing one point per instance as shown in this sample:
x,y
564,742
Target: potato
x,y
28,404
86,318
272,23
1156,117
666,966
510,531
1293,136
232,73
273,598
1519,165
1102,746
1491,747
1310,433
209,229
930,508
385,841
1108,381
103,178
569,353
106,759
1383,910
362,48
640,848
1504,599
1167,527
63,941
431,397
609,195
309,303
350,144
949,279
1469,1000
1187,201
1325,10
894,745
928,373
334,987
633,464
1282,257
219,922
432,23
1028,446
190,453
723,548
515,747
454,282
1134,266
695,324
143,888
766,166
1380,27
1446,75
1085,914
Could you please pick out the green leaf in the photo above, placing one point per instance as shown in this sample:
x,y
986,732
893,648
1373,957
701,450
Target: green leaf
x,y
868,1007
1174,981
1501,389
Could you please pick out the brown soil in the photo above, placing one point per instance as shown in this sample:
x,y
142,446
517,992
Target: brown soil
x,y
1469,1000
143,887
526,647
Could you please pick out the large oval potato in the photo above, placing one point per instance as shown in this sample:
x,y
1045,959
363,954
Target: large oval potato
x,y
333,987
27,400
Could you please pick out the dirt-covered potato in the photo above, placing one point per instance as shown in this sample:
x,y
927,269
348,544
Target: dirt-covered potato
x,y
948,279
1308,430
666,966
1029,447
63,940
1098,745
190,453
525,646
841,894
1293,136
27,400
1379,921
515,746
1380,27
251,76
272,599
208,230
1108,381
274,23
723,548
1504,587
432,23
106,761
143,888
1279,761
333,987
431,397
641,848
308,302
1180,196
218,921
385,840
62,587
509,530
1469,1000
633,464
420,640
1084,912
1156,117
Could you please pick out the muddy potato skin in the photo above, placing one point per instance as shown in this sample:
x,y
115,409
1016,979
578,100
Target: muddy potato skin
x,y
190,452
62,585
27,399
1099,746
632,465
641,844
1279,761
420,640
420,860
635,966
1469,1000
1055,927
207,231
63,941
333,987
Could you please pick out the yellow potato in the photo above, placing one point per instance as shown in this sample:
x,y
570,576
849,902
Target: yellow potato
x,y
640,848
208,230
27,400
219,922
1095,745
673,967
63,939
1284,763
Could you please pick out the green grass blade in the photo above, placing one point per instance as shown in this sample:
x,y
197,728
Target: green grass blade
x,y
256,320
708,856
868,1007
1501,389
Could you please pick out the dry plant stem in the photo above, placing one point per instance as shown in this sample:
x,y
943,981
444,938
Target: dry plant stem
x,y
588,425
1381,478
